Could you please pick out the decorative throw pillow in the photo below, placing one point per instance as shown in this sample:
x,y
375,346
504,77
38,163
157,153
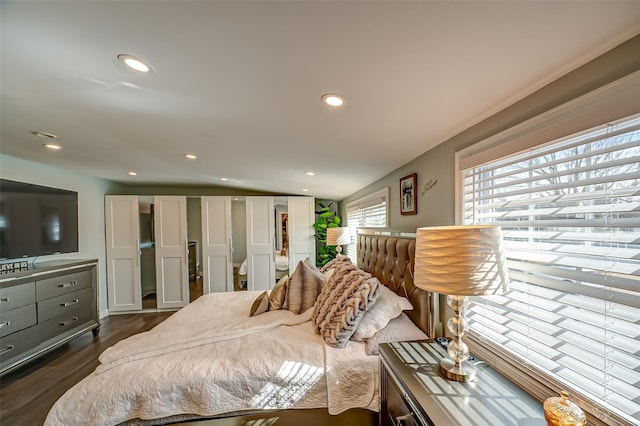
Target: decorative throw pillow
x,y
260,305
388,306
310,264
303,287
399,329
278,294
358,293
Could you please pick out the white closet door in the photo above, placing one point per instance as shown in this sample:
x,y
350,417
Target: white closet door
x,y
302,242
217,271
261,267
123,254
172,269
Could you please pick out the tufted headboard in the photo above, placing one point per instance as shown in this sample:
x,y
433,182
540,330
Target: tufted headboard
x,y
391,259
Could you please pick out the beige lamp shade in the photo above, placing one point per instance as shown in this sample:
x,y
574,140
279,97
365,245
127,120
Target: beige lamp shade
x,y
338,236
461,260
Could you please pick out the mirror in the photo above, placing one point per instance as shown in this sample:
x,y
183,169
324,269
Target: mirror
x,y
282,224
239,243
239,240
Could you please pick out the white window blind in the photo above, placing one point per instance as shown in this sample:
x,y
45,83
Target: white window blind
x,y
367,212
570,215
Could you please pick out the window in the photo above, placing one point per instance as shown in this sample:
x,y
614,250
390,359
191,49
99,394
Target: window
x,y
366,212
570,216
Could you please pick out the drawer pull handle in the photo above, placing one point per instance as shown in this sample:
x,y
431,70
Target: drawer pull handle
x,y
4,299
63,323
69,284
5,324
6,349
73,302
402,420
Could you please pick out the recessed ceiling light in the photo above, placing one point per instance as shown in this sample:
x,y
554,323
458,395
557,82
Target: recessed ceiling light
x,y
135,64
190,156
224,179
44,135
132,174
309,173
52,146
333,100
305,190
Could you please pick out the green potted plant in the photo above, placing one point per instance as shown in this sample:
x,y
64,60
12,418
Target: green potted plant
x,y
325,218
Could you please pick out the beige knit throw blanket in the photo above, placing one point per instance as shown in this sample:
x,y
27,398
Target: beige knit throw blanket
x,y
344,298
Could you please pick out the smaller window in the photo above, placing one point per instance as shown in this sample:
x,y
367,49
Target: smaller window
x,y
366,212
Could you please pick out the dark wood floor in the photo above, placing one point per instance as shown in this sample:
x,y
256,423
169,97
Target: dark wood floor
x,y
27,394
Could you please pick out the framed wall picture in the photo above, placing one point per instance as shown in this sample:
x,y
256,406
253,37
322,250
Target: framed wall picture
x,y
408,195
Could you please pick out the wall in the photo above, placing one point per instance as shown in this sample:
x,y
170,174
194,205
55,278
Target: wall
x,y
436,206
91,228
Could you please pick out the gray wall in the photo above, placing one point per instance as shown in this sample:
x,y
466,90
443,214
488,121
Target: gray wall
x,y
437,205
91,230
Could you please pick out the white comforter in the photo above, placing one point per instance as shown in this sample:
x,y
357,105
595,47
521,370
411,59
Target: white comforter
x,y
210,358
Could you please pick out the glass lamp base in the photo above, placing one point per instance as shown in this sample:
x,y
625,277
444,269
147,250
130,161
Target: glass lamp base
x,y
467,372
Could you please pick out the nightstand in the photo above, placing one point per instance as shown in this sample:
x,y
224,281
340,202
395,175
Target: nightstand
x,y
414,393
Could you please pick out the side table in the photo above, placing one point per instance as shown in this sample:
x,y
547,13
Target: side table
x,y
413,392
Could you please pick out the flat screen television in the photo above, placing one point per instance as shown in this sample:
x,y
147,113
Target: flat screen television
x,y
36,220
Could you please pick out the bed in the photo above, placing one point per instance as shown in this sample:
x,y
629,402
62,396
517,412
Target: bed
x,y
211,359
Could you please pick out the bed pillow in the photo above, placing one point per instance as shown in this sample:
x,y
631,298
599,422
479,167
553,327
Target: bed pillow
x,y
399,329
388,306
260,305
278,294
303,287
358,292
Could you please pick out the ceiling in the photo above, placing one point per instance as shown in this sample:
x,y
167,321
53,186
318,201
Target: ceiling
x,y
239,83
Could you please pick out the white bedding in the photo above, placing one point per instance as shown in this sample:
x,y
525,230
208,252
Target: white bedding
x,y
189,365
282,264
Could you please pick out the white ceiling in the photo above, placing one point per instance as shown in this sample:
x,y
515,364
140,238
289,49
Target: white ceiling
x,y
239,83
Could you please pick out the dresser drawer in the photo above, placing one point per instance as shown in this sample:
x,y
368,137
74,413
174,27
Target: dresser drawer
x,y
17,296
17,319
53,287
62,323
53,307
18,343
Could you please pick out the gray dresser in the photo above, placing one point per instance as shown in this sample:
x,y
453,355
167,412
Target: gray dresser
x,y
44,307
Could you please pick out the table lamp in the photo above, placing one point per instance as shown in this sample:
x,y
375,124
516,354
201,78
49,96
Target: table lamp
x,y
460,261
337,237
